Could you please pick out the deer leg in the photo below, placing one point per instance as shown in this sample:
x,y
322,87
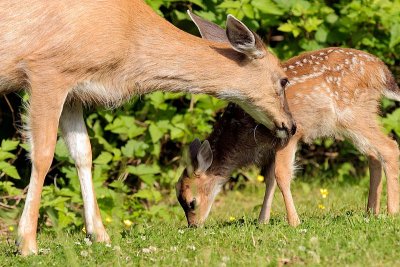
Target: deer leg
x,y
375,184
44,113
389,151
77,140
270,184
284,167
371,140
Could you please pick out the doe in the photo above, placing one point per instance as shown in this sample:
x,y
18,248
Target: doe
x,y
69,52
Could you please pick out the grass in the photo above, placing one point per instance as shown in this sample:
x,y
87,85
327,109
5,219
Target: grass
x,y
340,234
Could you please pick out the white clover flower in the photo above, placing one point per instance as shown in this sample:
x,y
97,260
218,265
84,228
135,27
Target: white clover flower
x,y
88,242
225,258
84,253
150,249
302,231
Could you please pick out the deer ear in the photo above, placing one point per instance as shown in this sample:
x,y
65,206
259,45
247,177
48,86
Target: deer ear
x,y
209,30
243,39
194,148
204,157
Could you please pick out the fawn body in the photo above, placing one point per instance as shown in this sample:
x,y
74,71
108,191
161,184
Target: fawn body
x,y
332,92
65,53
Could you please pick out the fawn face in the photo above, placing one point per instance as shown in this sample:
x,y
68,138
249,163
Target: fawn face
x,y
196,190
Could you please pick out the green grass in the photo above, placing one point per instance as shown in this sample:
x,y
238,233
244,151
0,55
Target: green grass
x,y
340,235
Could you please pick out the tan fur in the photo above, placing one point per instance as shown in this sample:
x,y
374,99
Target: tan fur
x,y
103,52
334,92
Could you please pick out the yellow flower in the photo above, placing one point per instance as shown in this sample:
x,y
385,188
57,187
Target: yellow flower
x,y
232,218
108,219
324,192
260,178
128,223
320,206
84,229
11,228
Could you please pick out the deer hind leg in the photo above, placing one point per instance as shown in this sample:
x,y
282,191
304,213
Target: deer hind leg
x,y
270,184
284,168
377,145
44,112
77,140
375,184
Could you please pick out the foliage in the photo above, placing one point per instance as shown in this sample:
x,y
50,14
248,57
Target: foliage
x,y
137,149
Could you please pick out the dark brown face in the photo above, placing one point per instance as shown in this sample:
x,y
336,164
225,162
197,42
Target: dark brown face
x,y
196,188
196,194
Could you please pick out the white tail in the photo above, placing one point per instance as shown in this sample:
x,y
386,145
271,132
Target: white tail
x,y
332,92
65,53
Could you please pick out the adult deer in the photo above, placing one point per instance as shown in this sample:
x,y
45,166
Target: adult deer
x,y
332,92
65,53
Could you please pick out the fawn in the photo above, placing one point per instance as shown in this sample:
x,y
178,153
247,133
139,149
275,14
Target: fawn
x,y
66,53
332,92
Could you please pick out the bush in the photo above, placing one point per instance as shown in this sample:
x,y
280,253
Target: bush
x,y
137,148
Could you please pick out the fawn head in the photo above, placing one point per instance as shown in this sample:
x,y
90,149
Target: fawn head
x,y
197,189
260,81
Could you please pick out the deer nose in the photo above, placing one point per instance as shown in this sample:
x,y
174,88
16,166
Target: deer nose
x,y
294,129
282,131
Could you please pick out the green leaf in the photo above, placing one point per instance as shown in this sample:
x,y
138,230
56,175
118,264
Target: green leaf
x,y
155,132
289,27
103,159
6,155
248,10
321,34
9,170
148,194
144,169
267,7
9,145
61,149
394,35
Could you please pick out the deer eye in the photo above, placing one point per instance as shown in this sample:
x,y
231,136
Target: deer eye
x,y
284,82
192,204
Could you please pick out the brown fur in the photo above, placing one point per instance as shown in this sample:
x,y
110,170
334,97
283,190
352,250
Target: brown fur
x,y
333,92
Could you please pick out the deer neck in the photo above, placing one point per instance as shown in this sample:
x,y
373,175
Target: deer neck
x,y
169,59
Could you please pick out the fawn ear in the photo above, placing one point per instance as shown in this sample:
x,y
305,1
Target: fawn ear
x,y
243,39
204,157
194,148
209,30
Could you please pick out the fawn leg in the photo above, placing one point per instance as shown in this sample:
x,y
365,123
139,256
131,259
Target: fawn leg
x,y
375,184
284,167
370,139
44,113
77,140
270,184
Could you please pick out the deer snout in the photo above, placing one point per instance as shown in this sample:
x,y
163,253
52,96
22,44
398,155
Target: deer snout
x,y
284,131
192,220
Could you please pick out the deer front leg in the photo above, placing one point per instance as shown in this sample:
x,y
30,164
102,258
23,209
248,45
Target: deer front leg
x,y
283,174
77,140
270,184
44,113
375,184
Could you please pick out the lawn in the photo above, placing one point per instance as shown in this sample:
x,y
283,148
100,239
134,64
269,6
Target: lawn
x,y
334,231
